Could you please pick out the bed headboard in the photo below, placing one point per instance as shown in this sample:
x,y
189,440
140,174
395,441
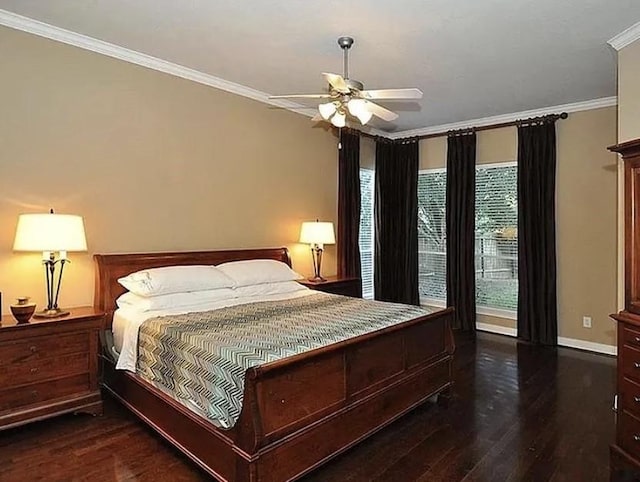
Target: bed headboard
x,y
110,267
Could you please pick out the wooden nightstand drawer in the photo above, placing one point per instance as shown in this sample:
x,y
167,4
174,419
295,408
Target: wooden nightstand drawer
x,y
41,392
43,347
33,371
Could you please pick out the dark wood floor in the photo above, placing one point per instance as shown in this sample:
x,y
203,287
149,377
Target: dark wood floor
x,y
519,413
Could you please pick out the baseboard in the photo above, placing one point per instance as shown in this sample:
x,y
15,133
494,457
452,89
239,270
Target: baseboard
x,y
500,330
588,346
562,341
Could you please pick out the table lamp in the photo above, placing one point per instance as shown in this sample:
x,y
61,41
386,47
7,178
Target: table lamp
x,y
51,234
317,234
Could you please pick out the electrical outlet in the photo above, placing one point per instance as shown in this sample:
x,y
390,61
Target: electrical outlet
x,y
586,321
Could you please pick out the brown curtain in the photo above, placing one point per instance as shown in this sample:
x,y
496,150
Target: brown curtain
x,y
349,204
396,222
537,298
460,221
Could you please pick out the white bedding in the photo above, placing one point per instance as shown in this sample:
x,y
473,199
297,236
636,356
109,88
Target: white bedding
x,y
126,323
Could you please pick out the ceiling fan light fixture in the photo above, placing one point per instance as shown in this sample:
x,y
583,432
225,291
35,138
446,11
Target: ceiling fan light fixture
x,y
356,106
339,119
327,110
364,116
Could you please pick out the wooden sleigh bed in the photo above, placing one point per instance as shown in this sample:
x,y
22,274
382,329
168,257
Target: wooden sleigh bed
x,y
300,411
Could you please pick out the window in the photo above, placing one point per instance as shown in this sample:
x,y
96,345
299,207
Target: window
x,y
367,178
432,241
496,247
497,237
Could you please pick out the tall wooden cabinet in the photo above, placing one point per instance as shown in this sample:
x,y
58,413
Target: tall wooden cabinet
x,y
625,453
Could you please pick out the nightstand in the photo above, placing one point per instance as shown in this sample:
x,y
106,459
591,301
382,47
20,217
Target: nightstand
x,y
49,367
336,285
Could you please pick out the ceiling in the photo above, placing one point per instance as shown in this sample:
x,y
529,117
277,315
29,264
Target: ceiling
x,y
471,58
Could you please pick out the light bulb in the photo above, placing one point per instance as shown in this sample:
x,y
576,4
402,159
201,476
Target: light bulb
x,y
327,110
339,120
364,116
356,106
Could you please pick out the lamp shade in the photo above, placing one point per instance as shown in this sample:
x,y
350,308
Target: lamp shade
x,y
316,232
339,119
50,232
357,106
327,110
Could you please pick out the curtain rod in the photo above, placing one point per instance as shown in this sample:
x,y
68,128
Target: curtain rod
x,y
518,122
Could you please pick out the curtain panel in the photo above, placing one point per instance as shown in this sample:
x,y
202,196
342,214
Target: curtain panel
x,y
349,204
460,223
396,222
537,295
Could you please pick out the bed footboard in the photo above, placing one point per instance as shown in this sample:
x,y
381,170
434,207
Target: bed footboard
x,y
301,411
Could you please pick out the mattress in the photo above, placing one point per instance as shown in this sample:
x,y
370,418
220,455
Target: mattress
x,y
126,322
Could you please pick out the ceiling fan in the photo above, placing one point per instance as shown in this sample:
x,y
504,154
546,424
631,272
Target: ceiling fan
x,y
348,96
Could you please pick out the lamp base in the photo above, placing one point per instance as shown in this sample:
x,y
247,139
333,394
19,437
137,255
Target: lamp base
x,y
317,279
52,313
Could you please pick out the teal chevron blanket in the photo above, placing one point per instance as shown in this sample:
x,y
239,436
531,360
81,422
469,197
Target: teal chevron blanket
x,y
200,358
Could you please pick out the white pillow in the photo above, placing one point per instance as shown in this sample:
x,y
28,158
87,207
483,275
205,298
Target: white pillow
x,y
173,300
269,289
258,271
175,279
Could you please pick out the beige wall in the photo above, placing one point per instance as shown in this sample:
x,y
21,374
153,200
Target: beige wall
x,y
367,152
586,216
629,92
586,204
151,161
495,145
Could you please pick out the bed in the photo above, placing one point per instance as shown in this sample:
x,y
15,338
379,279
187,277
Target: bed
x,y
300,411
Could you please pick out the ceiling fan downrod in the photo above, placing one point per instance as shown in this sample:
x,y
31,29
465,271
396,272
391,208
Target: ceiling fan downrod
x,y
345,44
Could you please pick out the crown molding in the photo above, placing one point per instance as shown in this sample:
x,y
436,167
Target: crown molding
x,y
626,37
514,116
29,25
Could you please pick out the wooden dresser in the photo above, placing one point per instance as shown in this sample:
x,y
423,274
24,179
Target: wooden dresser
x,y
49,367
625,453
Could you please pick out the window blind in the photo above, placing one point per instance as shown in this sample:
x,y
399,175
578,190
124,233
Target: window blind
x,y
432,241
497,236
366,230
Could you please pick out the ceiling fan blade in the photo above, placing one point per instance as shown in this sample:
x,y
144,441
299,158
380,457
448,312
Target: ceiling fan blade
x,y
392,94
301,96
379,111
337,82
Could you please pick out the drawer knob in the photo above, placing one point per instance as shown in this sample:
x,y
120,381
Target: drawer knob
x,y
34,393
636,364
636,437
33,370
636,399
34,349
637,339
